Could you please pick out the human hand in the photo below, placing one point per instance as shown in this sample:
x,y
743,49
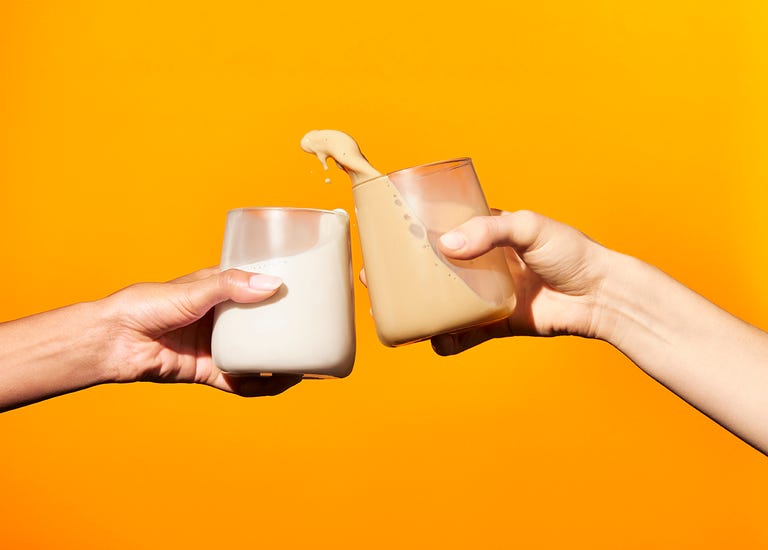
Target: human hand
x,y
568,284
558,273
161,332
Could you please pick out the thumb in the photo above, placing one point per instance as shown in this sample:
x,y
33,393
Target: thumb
x,y
520,230
239,286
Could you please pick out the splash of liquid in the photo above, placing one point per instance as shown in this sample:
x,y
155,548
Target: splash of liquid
x,y
343,149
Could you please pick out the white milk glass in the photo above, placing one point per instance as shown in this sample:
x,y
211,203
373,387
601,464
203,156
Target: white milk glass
x,y
307,327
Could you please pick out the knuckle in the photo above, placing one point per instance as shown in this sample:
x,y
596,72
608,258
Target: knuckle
x,y
528,226
228,280
486,228
187,306
495,230
490,231
528,218
125,297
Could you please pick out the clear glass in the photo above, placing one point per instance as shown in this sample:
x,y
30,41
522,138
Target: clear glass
x,y
416,292
307,327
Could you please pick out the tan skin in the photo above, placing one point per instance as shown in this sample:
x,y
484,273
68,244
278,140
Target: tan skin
x,y
158,332
566,284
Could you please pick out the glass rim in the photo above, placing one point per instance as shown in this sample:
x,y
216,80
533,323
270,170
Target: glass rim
x,y
458,160
337,211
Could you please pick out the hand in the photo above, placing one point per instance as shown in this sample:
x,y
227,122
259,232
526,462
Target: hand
x,y
558,273
568,284
162,331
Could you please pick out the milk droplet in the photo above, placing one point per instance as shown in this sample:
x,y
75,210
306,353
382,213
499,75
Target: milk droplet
x,y
416,231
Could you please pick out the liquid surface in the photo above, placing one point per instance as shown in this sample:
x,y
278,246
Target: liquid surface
x,y
306,328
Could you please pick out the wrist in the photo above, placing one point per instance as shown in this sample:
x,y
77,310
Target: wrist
x,y
52,353
622,297
96,333
121,358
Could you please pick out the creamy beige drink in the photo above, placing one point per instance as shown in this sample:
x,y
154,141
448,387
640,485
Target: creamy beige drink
x,y
414,292
341,148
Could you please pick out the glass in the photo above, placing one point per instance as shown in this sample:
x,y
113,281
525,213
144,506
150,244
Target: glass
x,y
307,327
415,291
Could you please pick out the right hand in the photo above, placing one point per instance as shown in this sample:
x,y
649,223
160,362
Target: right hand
x,y
558,273
161,332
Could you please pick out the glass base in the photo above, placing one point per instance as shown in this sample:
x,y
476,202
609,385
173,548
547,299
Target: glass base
x,y
304,376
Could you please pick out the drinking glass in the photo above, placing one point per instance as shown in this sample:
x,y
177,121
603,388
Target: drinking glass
x,y
307,327
416,292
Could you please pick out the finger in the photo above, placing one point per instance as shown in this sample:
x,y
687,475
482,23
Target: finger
x,y
452,344
521,230
232,284
257,386
196,275
364,280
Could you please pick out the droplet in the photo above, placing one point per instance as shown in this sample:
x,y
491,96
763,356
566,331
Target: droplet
x,y
398,202
416,230
406,217
327,180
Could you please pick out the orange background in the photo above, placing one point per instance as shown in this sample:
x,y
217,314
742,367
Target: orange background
x,y
128,129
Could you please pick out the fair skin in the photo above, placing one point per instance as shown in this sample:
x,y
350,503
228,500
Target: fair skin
x,y
566,284
569,284
157,332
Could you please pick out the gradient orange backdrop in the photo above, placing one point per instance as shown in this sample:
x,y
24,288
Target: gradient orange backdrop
x,y
128,129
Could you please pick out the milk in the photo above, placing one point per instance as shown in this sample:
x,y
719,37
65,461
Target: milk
x,y
307,327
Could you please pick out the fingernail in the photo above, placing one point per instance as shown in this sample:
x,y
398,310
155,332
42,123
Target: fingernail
x,y
264,282
453,240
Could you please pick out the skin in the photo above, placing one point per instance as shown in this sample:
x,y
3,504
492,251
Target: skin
x,y
157,332
569,284
566,284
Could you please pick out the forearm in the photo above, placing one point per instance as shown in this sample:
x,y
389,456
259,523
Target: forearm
x,y
53,353
716,362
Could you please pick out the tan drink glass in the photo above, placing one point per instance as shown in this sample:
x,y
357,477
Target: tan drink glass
x,y
415,291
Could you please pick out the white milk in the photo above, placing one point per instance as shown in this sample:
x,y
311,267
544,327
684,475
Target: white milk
x,y
307,327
